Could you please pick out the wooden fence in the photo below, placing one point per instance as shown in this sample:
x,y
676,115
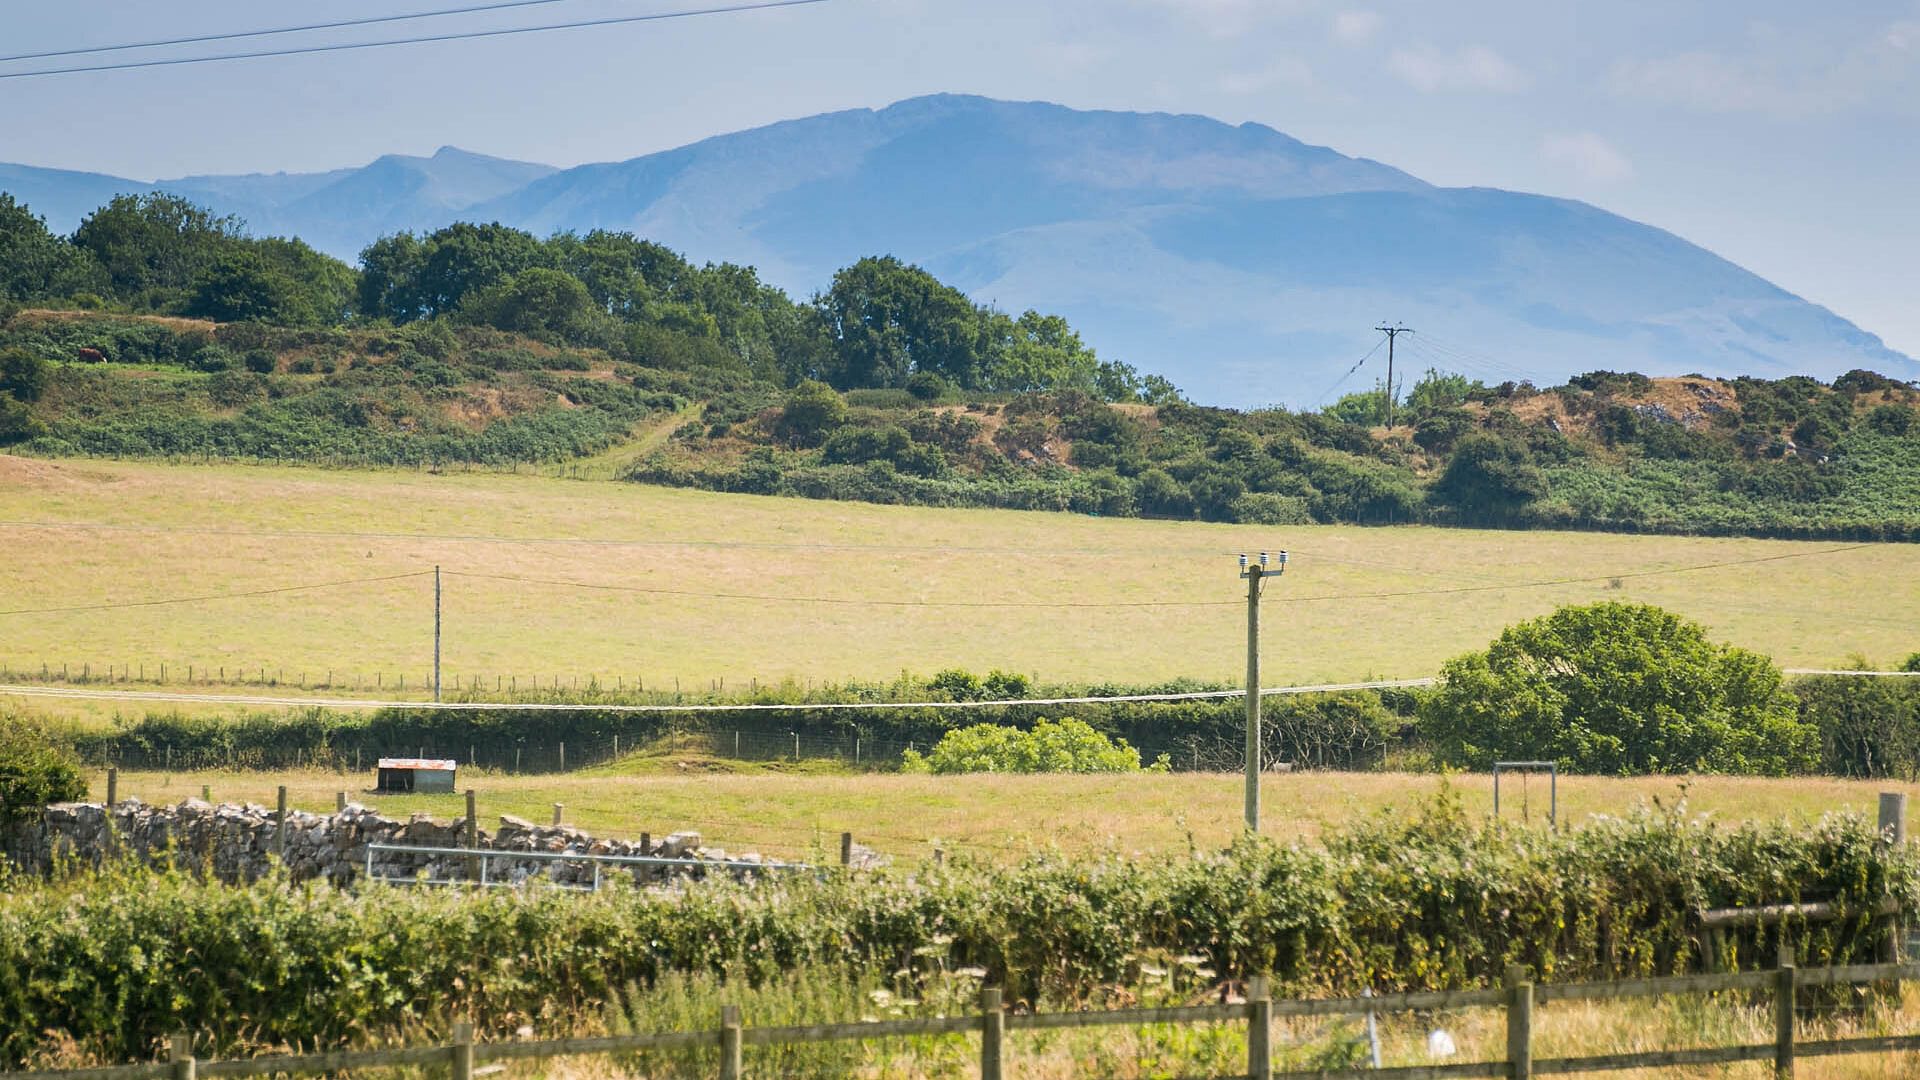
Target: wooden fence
x,y
1517,997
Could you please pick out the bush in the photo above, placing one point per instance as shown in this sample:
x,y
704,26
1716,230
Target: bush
x,y
1069,746
33,772
108,964
22,374
1618,689
812,412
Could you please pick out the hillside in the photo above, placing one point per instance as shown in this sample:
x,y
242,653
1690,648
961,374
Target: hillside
x,y
549,578
1794,457
1244,265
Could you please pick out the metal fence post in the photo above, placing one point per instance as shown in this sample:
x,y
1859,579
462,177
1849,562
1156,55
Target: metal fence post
x,y
180,1054
1783,1005
1519,1023
730,1042
993,1033
461,1052
1259,1029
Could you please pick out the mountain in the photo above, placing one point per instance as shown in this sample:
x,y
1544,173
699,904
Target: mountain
x,y
1247,266
337,211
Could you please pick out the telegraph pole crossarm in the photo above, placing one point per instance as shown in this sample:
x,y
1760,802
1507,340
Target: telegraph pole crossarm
x,y
1271,564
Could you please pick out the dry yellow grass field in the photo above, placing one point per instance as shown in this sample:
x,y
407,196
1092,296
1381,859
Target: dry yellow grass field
x,y
905,583
996,816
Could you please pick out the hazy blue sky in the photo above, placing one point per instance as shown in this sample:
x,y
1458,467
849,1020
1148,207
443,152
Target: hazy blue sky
x,y
1785,136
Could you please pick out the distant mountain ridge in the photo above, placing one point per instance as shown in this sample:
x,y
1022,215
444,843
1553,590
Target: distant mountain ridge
x,y
1247,266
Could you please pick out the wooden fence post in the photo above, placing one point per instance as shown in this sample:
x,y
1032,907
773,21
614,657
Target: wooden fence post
x,y
1519,1023
339,802
113,788
993,1033
1259,1029
461,1052
473,837
206,792
846,849
180,1054
730,1042
280,825
558,808
1783,1004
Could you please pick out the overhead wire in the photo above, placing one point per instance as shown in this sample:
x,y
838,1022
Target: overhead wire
x,y
853,601
1490,586
306,28
206,597
759,5
1324,394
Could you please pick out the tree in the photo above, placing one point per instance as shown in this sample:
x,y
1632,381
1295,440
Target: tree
x,y
464,257
1619,689
390,269
22,374
1488,475
1440,390
34,263
1039,352
1069,746
404,277
239,286
153,246
887,320
535,301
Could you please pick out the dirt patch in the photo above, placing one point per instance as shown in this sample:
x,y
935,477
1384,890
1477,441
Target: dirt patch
x,y
38,475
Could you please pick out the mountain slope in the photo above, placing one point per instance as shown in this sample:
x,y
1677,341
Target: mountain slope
x,y
1245,265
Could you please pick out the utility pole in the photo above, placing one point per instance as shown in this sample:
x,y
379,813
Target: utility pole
x,y
1391,332
1271,564
436,633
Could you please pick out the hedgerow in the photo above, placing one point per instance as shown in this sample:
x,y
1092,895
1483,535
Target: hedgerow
x,y
112,962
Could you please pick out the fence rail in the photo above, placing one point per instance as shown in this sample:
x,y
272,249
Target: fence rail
x,y
1258,1011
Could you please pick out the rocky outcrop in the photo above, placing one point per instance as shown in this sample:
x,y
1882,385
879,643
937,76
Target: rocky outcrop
x,y
239,842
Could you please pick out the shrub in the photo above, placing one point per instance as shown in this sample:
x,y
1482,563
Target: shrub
x,y
1066,746
33,772
812,412
22,374
1617,688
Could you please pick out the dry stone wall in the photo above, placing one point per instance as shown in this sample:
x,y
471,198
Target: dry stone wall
x,y
236,842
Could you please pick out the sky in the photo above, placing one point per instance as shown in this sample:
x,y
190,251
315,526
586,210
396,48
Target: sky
x,y
1782,135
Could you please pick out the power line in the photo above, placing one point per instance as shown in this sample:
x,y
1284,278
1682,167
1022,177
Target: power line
x,y
1568,581
213,596
1051,551
762,5
846,600
1321,400
369,21
850,601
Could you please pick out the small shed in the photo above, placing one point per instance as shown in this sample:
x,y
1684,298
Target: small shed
x,y
411,775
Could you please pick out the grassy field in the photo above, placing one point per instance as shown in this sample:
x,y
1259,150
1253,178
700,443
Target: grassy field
x,y
901,582
743,807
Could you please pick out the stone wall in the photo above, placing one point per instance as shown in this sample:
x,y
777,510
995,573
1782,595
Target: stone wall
x,y
236,843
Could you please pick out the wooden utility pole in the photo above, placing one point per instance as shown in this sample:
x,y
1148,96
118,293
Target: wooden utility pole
x,y
1270,565
436,633
1391,332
